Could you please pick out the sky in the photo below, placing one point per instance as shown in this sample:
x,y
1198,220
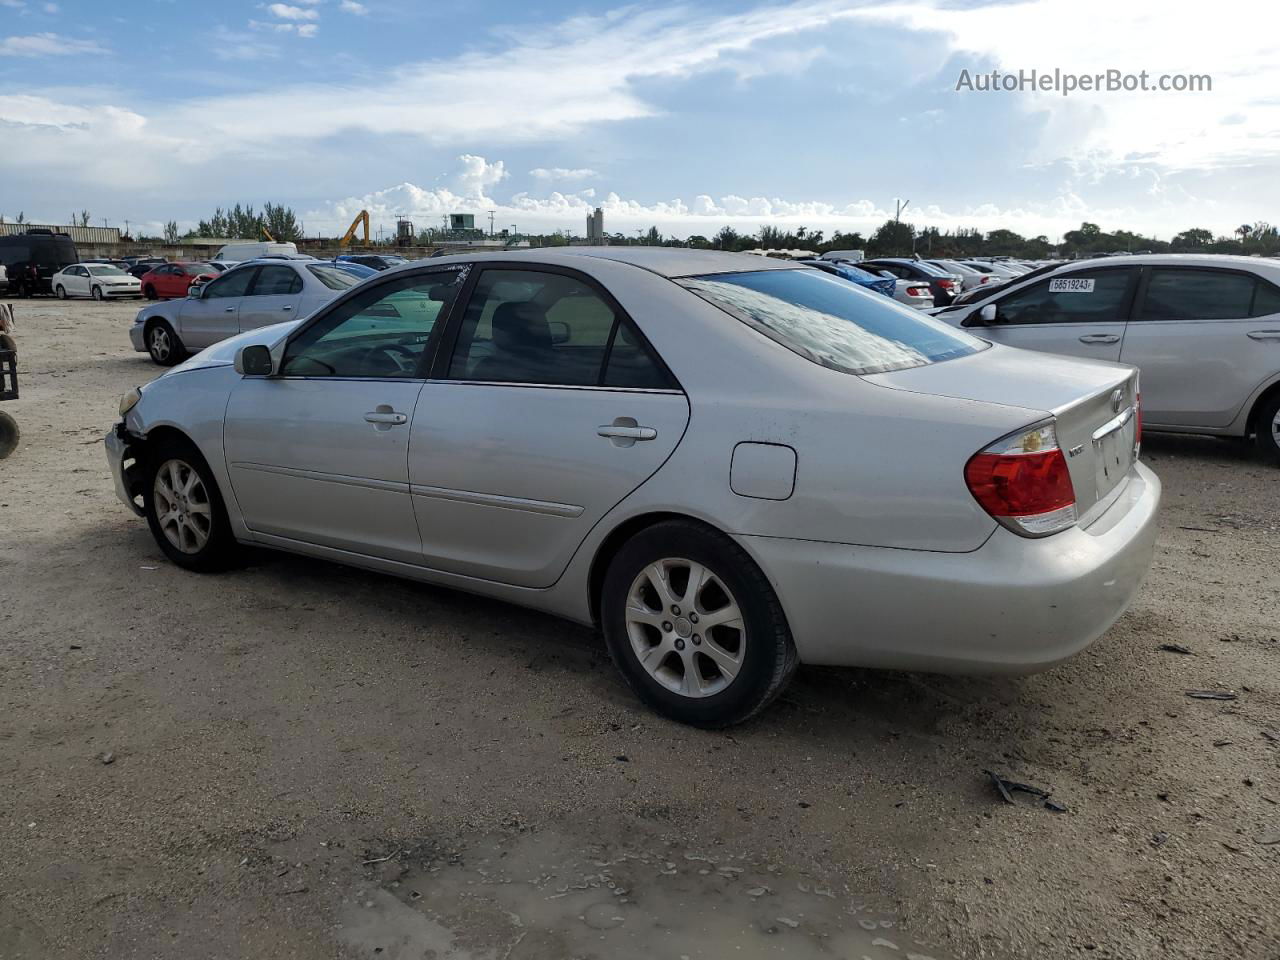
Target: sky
x,y
683,116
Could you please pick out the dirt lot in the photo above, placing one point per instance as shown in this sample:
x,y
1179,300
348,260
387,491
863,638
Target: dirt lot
x,y
300,760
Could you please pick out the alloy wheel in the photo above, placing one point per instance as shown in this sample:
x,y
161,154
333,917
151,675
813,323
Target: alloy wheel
x,y
685,627
160,344
1275,429
182,506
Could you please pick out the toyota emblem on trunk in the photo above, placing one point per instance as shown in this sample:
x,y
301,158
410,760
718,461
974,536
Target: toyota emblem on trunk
x,y
1116,397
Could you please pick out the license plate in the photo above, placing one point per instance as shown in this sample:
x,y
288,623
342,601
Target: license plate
x,y
1113,453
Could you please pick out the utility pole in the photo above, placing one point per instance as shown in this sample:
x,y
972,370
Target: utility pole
x,y
491,212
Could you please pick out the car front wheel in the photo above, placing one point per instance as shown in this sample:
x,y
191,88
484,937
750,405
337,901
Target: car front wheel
x,y
163,344
61,292
97,293
694,625
185,510
149,292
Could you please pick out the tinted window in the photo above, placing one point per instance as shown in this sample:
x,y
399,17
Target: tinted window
x,y
194,269
1196,295
1085,296
526,326
334,278
833,322
233,284
276,281
382,332
1266,300
632,363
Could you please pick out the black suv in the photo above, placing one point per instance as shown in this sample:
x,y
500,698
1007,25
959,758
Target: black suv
x,y
32,258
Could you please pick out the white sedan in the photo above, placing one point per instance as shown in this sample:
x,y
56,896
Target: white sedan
x,y
98,280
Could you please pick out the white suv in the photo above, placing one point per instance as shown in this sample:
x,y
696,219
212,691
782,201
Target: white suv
x,y
1204,331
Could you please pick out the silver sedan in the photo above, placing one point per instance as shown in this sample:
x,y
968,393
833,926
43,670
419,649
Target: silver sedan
x,y
253,294
730,465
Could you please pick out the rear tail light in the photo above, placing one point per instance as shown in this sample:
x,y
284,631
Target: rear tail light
x,y
946,284
917,291
984,279
1023,482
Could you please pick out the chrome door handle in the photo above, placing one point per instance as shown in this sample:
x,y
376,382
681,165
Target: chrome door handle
x,y
229,310
1264,334
380,416
627,433
1100,338
286,307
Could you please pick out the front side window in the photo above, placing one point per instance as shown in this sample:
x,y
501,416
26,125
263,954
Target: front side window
x,y
833,322
1086,296
1179,294
381,332
529,326
276,282
233,284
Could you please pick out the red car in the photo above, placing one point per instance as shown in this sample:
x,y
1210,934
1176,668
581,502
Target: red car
x,y
171,280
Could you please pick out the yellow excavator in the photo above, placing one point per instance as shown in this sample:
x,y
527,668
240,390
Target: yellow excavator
x,y
361,218
266,234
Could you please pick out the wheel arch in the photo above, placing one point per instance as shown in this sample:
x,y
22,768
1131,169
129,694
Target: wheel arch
x,y
614,541
1266,396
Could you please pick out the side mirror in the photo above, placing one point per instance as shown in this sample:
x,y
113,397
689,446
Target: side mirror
x,y
559,331
253,361
983,317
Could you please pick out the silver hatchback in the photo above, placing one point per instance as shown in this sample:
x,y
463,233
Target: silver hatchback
x,y
731,465
1203,330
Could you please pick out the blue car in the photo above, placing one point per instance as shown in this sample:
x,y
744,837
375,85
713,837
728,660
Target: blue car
x,y
862,278
351,267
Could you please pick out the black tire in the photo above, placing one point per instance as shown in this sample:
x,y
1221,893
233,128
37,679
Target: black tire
x,y
97,293
219,549
768,655
149,292
9,435
61,292
1266,425
163,344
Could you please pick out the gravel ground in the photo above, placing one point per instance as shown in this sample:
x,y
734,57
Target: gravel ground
x,y
200,766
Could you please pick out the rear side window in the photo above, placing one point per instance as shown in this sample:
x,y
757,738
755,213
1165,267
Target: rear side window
x,y
531,326
833,322
1197,295
333,278
1266,300
276,281
1085,296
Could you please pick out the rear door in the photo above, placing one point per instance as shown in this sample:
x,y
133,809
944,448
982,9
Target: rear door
x,y
1204,338
214,315
273,297
546,409
1082,313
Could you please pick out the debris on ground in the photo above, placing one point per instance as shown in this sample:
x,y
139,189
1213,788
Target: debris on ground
x,y
1177,648
1211,695
1269,838
1008,787
1271,735
107,758
1160,839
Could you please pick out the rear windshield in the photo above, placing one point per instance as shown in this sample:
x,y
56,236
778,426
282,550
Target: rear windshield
x,y
195,269
332,277
833,322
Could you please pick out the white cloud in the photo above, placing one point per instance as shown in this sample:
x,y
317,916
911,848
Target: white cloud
x,y
47,45
12,4
301,29
285,11
351,6
1176,131
563,173
307,29
51,8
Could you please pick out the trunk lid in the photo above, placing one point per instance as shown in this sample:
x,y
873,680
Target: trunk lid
x,y
1093,403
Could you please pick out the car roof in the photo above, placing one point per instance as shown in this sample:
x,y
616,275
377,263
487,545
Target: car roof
x,y
668,262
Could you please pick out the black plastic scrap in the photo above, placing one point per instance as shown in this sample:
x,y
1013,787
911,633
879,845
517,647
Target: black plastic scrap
x,y
1177,648
1211,695
1008,787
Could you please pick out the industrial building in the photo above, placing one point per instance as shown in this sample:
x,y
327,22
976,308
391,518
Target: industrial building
x,y
595,227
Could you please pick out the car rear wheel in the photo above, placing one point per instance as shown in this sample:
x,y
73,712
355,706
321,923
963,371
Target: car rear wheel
x,y
97,293
163,344
694,625
185,510
61,292
1268,429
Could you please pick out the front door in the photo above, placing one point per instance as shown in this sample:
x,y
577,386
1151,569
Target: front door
x,y
1204,339
318,453
212,314
1081,314
273,298
76,282
550,409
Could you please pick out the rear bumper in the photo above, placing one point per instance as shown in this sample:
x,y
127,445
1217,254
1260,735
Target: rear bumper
x,y
1015,605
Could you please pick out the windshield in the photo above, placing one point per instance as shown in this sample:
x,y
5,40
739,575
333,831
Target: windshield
x,y
833,322
332,277
105,270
